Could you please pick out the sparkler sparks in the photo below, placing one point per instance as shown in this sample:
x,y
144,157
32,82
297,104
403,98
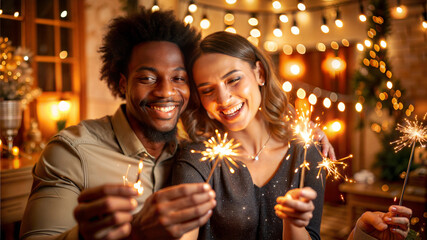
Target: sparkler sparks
x,y
219,148
412,132
138,184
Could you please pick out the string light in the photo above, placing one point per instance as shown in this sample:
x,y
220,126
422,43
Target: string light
x,y
301,93
287,49
253,20
327,102
338,21
188,19
270,46
341,106
294,28
424,23
301,6
230,29
229,18
277,31
287,86
321,47
284,18
358,107
231,2
255,32
362,16
368,43
400,11
301,49
155,6
383,43
192,7
312,99
276,4
205,23
64,14
253,40
324,27
1,11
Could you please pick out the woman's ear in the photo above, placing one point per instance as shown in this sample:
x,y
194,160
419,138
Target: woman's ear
x,y
260,73
122,84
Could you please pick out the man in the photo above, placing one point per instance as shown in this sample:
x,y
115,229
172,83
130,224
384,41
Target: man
x,y
83,167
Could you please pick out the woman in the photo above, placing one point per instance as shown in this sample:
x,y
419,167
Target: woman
x,y
235,90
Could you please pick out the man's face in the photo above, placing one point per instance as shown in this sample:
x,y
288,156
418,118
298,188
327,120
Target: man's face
x,y
156,87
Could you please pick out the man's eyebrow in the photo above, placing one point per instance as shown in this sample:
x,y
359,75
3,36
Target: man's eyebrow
x,y
223,77
142,68
180,69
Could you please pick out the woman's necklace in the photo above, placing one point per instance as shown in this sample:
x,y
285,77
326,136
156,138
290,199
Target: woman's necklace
x,y
256,157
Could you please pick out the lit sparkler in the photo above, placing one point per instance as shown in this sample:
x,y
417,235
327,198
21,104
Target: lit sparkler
x,y
219,148
303,127
138,184
412,132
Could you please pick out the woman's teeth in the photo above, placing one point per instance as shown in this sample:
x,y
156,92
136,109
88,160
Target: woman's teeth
x,y
233,110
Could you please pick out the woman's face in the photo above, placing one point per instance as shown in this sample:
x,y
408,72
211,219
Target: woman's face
x,y
228,89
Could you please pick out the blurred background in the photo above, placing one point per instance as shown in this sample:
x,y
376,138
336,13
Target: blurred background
x,y
360,64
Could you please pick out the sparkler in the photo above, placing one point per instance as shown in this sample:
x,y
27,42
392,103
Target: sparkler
x,y
304,128
219,148
412,132
138,184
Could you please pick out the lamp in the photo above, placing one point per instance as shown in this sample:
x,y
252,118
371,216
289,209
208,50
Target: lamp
x,y
60,113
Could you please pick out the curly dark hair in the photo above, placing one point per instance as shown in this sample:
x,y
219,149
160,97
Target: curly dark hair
x,y
124,33
276,109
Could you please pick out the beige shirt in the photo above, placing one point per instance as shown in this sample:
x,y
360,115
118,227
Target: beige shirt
x,y
90,154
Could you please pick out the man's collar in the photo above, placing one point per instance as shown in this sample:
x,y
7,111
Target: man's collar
x,y
128,141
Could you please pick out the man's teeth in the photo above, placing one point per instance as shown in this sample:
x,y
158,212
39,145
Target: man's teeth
x,y
163,109
233,110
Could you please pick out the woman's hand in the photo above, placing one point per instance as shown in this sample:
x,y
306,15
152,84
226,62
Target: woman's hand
x,y
327,149
296,207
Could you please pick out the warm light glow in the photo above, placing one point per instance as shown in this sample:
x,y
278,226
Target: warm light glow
x,y
335,45
15,151
312,99
324,28
253,40
301,49
276,4
64,14
1,11
287,86
26,58
188,19
360,47
389,85
64,106
205,23
383,43
255,32
270,46
63,54
301,6
295,30
277,32
399,12
230,1
345,42
341,106
321,47
368,43
253,21
362,17
336,126
301,93
359,107
327,102
230,29
339,23
424,24
16,14
229,18
155,8
284,18
192,7
287,49
295,69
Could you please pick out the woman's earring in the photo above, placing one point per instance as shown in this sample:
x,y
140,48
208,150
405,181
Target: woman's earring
x,y
262,84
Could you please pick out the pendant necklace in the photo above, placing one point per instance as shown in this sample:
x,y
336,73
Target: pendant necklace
x,y
256,157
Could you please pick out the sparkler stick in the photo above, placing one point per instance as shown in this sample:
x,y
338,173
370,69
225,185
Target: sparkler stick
x,y
138,185
218,149
412,132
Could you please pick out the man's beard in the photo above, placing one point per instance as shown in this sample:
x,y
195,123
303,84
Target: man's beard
x,y
155,135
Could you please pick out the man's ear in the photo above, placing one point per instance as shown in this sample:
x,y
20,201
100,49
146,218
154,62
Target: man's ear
x,y
260,73
123,84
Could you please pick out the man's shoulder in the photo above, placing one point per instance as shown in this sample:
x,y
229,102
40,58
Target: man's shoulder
x,y
87,131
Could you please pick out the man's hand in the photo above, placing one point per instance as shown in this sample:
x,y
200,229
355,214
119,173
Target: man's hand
x,y
327,149
173,211
104,212
391,225
296,207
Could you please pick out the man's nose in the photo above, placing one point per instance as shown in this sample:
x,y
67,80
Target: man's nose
x,y
165,88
